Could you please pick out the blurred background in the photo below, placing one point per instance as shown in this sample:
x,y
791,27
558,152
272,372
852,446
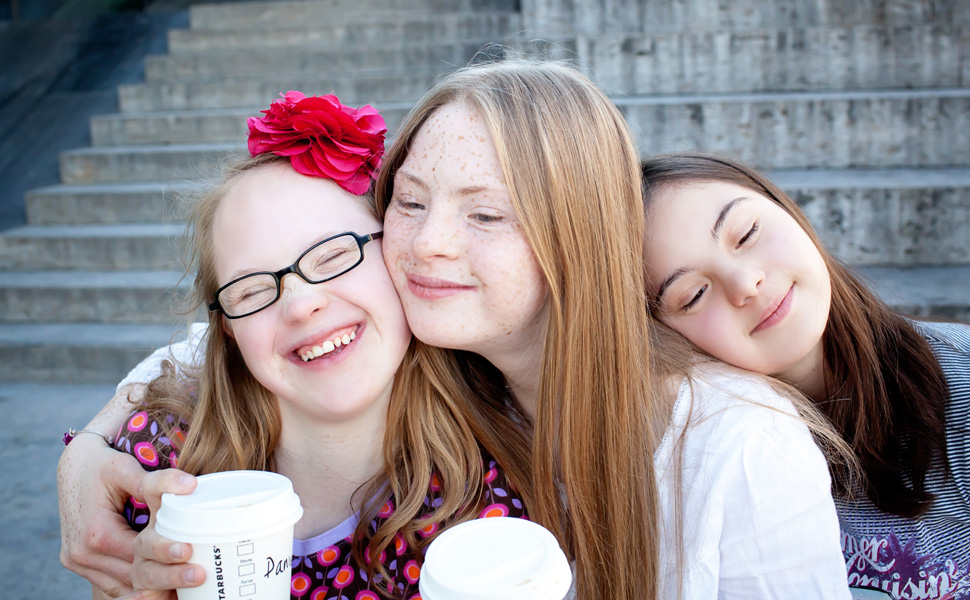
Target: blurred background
x,y
110,108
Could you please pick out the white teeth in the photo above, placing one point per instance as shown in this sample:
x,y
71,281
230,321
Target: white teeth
x,y
328,346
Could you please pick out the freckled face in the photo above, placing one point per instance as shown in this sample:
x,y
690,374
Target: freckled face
x,y
453,242
739,277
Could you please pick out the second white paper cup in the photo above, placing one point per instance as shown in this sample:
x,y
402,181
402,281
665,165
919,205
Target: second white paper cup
x,y
499,558
240,525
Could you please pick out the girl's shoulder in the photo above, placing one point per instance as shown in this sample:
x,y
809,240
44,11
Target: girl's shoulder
x,y
949,339
717,390
720,408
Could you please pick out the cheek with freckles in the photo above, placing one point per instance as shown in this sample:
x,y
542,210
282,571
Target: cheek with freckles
x,y
513,285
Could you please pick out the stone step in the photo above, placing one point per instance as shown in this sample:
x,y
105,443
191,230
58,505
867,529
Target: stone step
x,y
257,63
358,29
77,353
868,217
196,126
887,217
133,297
738,15
933,292
116,164
219,94
913,128
148,202
871,129
310,14
820,58
92,247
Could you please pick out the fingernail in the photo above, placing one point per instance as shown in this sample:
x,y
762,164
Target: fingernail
x,y
193,576
185,479
176,550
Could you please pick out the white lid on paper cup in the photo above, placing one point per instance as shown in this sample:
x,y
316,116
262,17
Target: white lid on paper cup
x,y
230,506
498,558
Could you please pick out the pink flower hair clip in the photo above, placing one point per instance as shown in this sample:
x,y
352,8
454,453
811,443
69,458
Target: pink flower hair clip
x,y
323,138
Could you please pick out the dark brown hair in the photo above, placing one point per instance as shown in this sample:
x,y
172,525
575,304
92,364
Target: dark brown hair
x,y
885,391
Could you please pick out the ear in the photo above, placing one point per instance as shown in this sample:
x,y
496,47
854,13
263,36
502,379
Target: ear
x,y
227,327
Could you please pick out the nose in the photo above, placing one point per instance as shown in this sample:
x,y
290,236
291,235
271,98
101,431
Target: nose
x,y
437,236
300,299
744,284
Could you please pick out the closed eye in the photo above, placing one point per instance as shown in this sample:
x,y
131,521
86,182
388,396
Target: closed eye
x,y
484,218
744,239
693,301
408,204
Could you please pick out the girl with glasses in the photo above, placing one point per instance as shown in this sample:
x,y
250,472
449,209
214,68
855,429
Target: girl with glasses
x,y
298,373
513,233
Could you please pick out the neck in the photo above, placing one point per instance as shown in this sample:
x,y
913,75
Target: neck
x,y
808,376
328,462
522,373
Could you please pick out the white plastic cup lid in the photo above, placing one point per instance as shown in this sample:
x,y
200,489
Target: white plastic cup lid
x,y
497,558
229,506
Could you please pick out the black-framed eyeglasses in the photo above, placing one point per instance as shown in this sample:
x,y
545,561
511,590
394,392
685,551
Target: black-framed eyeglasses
x,y
321,262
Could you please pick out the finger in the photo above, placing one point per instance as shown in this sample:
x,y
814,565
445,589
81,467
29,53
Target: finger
x,y
171,481
101,577
149,595
108,535
104,586
102,554
150,545
123,475
150,575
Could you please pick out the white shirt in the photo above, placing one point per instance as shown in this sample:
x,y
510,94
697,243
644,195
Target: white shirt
x,y
756,507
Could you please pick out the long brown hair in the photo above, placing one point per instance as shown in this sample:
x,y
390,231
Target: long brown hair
x,y
235,422
585,464
886,393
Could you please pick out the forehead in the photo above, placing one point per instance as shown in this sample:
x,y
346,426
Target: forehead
x,y
273,212
454,146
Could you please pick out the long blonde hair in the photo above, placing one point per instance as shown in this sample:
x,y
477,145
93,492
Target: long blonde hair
x,y
234,422
585,465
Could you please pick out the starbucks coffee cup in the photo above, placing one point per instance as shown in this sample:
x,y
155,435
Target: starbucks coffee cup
x,y
498,558
240,525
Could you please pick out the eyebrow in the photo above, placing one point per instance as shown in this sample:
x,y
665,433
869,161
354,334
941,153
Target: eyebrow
x,y
475,189
412,178
470,190
715,233
244,272
722,216
667,282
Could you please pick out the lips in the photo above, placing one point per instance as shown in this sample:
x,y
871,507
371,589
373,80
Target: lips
x,y
776,311
322,346
430,288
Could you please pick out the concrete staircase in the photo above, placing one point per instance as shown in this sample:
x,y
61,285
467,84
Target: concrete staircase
x,y
862,114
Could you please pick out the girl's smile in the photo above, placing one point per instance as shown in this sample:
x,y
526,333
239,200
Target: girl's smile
x,y
319,336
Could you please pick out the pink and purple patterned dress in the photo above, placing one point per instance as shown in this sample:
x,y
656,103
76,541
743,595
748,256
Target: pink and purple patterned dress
x,y
323,567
